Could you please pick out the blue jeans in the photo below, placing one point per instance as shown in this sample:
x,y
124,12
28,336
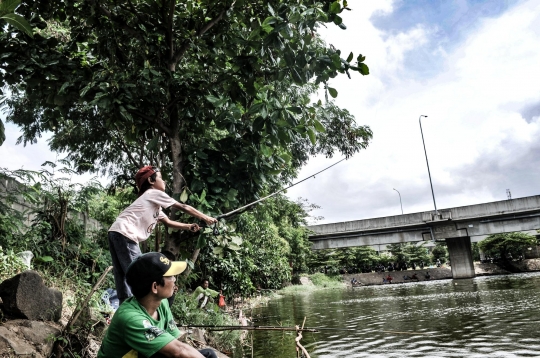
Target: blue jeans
x,y
123,252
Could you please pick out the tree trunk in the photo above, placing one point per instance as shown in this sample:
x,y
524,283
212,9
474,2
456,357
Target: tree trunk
x,y
171,242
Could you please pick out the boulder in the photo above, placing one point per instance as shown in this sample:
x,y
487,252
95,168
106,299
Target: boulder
x,y
26,296
23,338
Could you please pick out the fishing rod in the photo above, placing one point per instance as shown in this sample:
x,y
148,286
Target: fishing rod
x,y
264,328
281,328
215,229
226,215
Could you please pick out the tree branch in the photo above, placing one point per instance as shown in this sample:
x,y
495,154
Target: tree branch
x,y
185,45
150,120
123,25
170,31
119,143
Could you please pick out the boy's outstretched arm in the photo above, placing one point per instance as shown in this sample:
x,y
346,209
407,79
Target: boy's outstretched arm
x,y
181,226
194,212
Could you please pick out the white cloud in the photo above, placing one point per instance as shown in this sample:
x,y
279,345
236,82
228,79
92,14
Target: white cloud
x,y
474,106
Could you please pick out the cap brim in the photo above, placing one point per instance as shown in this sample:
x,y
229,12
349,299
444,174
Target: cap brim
x,y
177,267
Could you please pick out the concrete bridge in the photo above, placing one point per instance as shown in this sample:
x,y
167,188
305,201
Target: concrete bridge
x,y
457,226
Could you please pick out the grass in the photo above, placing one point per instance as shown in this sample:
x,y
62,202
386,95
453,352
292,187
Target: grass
x,y
320,281
185,310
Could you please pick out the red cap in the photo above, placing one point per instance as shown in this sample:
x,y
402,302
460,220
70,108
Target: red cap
x,y
144,173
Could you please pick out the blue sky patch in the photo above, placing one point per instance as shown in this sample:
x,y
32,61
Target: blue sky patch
x,y
449,23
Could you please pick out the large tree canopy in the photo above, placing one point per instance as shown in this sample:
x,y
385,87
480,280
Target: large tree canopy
x,y
217,93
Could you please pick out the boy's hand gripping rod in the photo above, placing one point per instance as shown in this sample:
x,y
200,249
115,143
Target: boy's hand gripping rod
x,y
241,209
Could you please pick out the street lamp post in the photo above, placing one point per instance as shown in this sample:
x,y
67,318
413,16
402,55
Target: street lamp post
x,y
400,203
427,163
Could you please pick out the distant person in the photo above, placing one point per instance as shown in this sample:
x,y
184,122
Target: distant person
x,y
438,263
406,277
427,276
389,278
414,277
203,294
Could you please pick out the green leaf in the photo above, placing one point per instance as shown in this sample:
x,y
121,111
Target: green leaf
x,y
266,25
153,144
364,69
19,23
258,124
271,10
333,92
335,7
336,61
237,240
184,196
44,259
318,126
296,77
312,136
338,20
286,157
349,59
212,99
201,241
7,6
2,133
217,250
231,195
234,246
296,110
203,195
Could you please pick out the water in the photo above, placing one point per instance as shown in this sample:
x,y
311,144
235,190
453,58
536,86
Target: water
x,y
495,316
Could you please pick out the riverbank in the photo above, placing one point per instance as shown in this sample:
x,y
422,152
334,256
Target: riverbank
x,y
438,273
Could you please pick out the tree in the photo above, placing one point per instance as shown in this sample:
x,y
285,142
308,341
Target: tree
x,y
416,253
506,245
215,93
439,252
7,14
399,255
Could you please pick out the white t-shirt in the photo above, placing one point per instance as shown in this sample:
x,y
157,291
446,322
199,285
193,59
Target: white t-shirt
x,y
138,220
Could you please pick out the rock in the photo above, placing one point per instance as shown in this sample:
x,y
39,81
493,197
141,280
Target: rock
x,y
25,295
198,335
23,338
183,336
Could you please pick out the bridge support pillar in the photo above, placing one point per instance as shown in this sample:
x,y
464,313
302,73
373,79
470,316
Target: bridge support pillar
x,y
461,261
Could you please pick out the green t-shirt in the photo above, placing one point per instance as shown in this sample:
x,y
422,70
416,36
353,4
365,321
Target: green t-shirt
x,y
133,333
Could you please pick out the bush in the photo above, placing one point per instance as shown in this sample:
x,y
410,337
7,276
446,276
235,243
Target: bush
x,y
322,280
185,310
10,264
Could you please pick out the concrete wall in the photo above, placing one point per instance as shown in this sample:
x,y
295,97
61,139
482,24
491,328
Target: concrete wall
x,y
26,208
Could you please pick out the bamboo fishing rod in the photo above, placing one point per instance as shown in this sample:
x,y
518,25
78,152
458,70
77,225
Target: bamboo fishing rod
x,y
264,328
281,328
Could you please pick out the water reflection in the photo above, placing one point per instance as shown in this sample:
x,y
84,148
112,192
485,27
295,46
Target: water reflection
x,y
481,317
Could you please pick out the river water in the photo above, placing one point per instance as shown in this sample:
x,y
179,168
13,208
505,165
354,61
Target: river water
x,y
495,316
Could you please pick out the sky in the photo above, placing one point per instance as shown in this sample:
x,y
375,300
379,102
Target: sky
x,y
471,66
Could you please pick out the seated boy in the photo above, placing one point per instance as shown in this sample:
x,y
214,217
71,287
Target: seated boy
x,y
143,325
